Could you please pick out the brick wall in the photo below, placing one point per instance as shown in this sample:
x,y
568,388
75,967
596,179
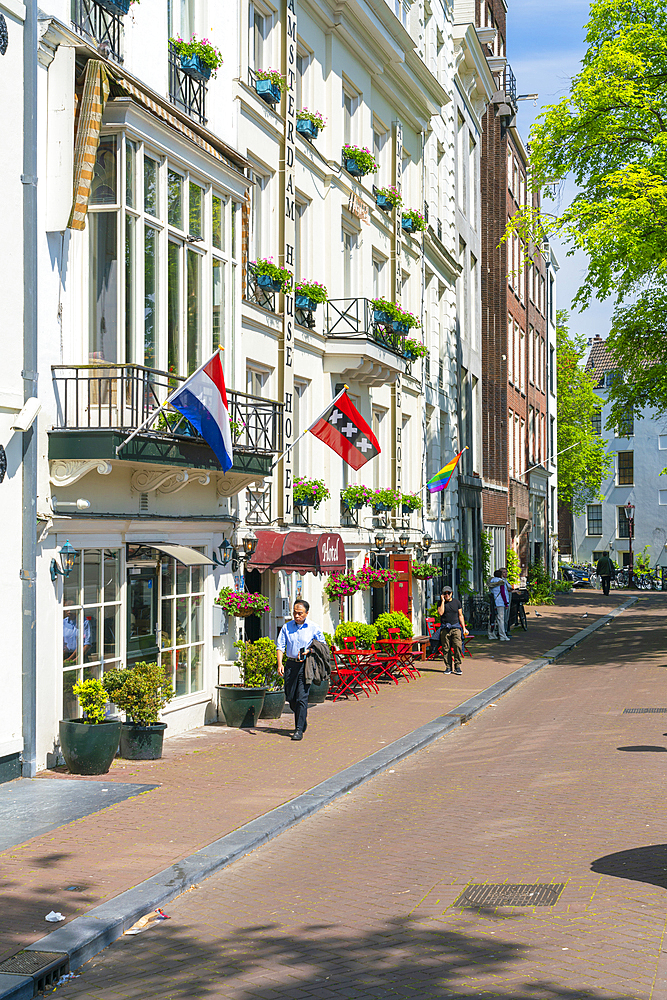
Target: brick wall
x,y
494,507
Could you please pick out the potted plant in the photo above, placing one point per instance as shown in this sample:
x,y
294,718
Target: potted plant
x,y
172,420
310,123
141,692
241,604
384,499
404,320
393,619
259,660
116,6
309,492
355,497
410,502
384,311
413,349
89,744
367,578
199,59
358,160
388,198
413,221
242,703
271,275
269,85
424,571
307,294
364,634
340,585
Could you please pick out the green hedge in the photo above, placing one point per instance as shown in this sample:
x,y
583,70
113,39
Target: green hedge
x,y
394,619
363,633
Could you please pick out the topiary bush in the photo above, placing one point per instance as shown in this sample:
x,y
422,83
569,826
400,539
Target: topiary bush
x,y
393,619
146,688
92,697
258,662
363,633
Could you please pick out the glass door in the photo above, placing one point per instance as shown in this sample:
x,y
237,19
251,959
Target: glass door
x,y
142,607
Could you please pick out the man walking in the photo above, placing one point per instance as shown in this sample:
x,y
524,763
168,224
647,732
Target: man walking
x,y
605,569
501,590
452,624
294,639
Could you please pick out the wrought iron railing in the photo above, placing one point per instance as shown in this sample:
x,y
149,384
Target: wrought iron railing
x,y
509,84
263,297
122,397
354,319
426,211
184,91
106,28
259,506
302,514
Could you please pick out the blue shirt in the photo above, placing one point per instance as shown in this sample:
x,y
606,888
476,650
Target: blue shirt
x,y
71,633
293,637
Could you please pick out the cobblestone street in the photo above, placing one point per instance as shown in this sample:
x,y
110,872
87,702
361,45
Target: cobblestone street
x,y
554,784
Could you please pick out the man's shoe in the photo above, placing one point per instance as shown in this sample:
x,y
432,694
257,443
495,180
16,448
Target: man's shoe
x,y
448,670
297,735
458,671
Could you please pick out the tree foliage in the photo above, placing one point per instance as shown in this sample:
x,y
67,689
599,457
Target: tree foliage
x,y
582,468
638,344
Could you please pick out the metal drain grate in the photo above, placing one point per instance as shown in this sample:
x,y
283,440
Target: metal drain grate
x,y
45,967
542,894
644,711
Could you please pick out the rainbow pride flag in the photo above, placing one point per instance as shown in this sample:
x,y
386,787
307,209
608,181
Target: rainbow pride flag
x,y
440,481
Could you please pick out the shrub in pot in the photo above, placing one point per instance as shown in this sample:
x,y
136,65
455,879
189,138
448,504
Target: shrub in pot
x,y
259,663
141,692
242,704
89,744
393,619
364,634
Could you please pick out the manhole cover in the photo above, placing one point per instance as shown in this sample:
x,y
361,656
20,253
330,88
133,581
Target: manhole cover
x,y
511,895
29,963
643,711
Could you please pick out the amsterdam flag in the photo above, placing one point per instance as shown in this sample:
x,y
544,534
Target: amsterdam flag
x,y
344,429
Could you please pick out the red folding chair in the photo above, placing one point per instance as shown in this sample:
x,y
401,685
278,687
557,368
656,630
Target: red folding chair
x,y
346,678
352,670
403,650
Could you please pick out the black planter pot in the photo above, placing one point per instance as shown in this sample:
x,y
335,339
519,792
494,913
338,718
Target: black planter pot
x,y
318,692
88,749
241,706
274,703
141,742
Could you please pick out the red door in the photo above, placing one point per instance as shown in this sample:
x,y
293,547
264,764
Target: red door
x,y
400,591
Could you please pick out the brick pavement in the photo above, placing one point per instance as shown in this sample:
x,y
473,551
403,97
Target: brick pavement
x,y
213,780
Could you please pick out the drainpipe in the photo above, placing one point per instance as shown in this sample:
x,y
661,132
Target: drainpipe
x,y
29,374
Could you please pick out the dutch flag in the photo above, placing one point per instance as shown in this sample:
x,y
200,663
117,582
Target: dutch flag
x,y
202,399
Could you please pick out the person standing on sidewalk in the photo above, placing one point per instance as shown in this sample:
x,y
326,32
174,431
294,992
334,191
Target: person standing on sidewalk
x,y
294,639
452,624
605,569
501,592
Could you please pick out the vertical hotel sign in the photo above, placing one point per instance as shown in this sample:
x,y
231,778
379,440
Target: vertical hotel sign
x,y
289,233
397,389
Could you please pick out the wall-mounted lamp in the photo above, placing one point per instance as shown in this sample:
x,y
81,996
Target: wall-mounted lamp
x,y
379,541
230,554
426,542
80,504
24,420
68,556
404,540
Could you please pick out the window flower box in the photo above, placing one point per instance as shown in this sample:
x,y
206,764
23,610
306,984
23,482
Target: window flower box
x,y
410,502
309,492
413,221
116,6
355,497
304,302
358,161
407,224
271,276
387,198
380,316
384,311
199,59
194,67
268,91
308,294
384,499
413,350
398,326
266,281
309,129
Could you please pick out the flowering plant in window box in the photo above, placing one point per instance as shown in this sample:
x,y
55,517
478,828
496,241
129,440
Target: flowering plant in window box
x,y
385,499
407,319
116,6
367,578
413,349
309,492
358,160
388,198
270,85
241,604
340,585
173,420
307,294
384,311
310,123
199,58
413,221
355,497
271,275
424,571
410,502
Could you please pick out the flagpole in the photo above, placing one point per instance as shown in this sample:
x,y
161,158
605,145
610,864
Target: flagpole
x,y
550,458
149,420
303,434
452,472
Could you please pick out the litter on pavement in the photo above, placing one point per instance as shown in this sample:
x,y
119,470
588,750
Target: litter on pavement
x,y
147,921
54,917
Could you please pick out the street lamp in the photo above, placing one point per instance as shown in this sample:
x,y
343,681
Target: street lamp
x,y
630,516
426,542
379,542
68,556
249,543
404,540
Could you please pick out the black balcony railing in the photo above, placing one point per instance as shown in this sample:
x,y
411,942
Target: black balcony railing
x,y
185,92
354,319
259,506
106,28
510,84
122,397
263,297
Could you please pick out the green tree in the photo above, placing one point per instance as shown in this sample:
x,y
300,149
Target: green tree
x,y
582,468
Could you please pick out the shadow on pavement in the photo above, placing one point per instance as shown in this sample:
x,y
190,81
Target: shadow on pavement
x,y
639,864
400,957
643,749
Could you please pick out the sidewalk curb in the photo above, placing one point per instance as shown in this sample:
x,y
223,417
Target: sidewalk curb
x,y
87,935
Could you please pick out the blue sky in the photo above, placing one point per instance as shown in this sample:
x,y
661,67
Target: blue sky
x,y
545,44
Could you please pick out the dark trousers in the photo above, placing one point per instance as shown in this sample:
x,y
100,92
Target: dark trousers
x,y
452,648
606,583
296,690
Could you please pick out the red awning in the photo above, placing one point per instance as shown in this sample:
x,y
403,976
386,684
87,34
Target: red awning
x,y
298,552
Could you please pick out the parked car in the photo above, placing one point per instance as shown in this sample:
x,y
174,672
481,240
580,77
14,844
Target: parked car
x,y
578,576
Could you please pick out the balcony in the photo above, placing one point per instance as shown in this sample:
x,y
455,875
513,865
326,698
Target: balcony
x,y
94,21
97,406
185,92
358,347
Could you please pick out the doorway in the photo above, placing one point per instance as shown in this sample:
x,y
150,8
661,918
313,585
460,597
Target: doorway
x,y
142,608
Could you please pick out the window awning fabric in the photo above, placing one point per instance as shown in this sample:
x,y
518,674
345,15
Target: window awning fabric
x,y
182,553
298,552
95,93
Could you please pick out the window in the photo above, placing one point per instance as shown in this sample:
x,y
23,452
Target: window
x,y
302,78
182,624
596,422
350,104
181,18
259,30
261,215
510,424
256,379
522,360
461,165
662,442
622,523
472,178
551,368
473,300
531,434
302,247
552,452
379,271
625,468
350,242
300,424
626,425
380,149
531,355
594,519
91,621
